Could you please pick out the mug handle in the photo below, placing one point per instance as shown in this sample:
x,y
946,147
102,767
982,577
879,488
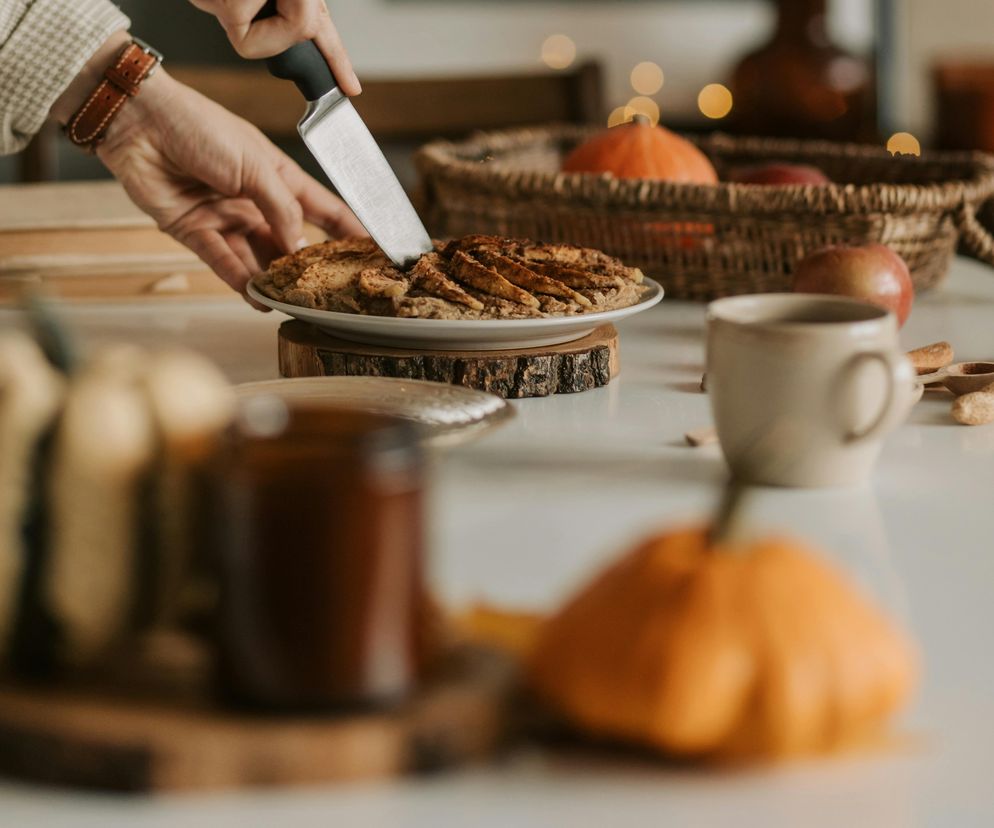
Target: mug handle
x,y
893,366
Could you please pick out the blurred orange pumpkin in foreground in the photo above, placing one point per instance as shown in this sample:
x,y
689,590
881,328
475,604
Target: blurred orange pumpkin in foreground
x,y
724,649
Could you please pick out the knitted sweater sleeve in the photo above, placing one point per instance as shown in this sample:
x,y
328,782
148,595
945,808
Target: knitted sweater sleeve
x,y
43,45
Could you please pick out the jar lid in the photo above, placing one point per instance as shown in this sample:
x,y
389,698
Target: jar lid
x,y
325,430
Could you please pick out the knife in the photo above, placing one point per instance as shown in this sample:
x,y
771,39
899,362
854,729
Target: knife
x,y
348,154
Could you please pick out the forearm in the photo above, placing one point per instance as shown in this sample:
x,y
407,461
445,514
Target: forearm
x,y
49,44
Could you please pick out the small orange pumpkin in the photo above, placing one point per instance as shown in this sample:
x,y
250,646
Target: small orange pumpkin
x,y
722,649
640,150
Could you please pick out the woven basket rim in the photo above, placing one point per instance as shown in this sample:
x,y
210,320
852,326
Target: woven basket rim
x,y
446,160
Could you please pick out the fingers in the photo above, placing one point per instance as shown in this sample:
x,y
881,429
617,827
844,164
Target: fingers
x,y
211,247
328,211
239,244
263,246
229,257
264,38
320,206
237,19
295,21
220,233
330,44
262,182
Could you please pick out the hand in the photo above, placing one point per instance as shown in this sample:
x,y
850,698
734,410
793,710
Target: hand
x,y
295,21
214,182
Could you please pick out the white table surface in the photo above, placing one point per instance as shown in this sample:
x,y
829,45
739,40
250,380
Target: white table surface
x,y
527,512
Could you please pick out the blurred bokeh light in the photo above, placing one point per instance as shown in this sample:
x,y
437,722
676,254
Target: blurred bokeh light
x,y
558,51
620,115
715,101
647,78
904,143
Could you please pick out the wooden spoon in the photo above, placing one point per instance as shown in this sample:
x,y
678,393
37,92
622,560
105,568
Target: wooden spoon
x,y
961,377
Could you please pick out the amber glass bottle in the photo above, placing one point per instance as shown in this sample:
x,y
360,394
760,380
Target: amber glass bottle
x,y
801,85
318,541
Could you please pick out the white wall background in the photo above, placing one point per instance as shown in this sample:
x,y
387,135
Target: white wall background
x,y
695,42
929,30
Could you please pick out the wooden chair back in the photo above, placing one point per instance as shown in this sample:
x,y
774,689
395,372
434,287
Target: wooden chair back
x,y
417,108
394,110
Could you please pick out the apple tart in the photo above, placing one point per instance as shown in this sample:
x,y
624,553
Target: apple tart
x,y
475,277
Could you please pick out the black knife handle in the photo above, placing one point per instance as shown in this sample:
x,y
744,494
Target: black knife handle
x,y
303,64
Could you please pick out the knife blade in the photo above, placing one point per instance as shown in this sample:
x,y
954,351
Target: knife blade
x,y
349,155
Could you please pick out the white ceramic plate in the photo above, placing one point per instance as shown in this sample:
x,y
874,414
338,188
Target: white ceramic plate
x,y
461,334
448,414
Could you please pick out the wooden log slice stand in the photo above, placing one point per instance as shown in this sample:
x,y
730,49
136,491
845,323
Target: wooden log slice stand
x,y
590,362
166,738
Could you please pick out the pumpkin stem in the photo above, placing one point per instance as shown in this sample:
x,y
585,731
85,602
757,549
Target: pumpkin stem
x,y
641,119
729,519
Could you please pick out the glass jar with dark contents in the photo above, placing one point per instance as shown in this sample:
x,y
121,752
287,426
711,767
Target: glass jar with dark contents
x,y
318,538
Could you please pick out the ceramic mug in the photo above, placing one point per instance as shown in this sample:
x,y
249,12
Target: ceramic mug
x,y
804,387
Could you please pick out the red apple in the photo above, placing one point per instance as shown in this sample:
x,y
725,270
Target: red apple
x,y
778,173
871,272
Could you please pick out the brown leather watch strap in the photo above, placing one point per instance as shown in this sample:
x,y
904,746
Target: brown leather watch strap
x,y
121,81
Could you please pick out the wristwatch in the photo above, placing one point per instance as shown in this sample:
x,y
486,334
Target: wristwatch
x,y
122,80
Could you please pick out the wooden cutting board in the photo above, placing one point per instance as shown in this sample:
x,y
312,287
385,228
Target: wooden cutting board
x,y
142,742
590,362
68,205
86,240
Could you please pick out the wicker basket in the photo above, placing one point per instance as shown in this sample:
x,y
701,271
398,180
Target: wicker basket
x,y
703,242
